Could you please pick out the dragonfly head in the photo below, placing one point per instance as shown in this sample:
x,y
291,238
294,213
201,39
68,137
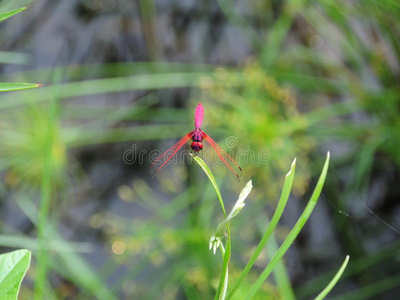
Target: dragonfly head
x,y
197,146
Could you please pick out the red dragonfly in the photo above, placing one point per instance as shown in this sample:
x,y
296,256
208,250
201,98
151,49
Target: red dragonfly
x,y
197,135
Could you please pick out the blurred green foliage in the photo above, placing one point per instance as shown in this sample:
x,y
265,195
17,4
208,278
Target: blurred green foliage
x,y
259,114
24,137
322,74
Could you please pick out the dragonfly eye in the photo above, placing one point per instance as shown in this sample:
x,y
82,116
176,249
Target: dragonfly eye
x,y
197,146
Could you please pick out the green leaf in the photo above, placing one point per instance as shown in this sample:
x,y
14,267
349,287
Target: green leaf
x,y
293,233
8,14
13,267
334,280
6,87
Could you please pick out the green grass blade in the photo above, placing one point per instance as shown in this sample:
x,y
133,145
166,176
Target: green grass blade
x,y
8,14
280,273
7,87
223,283
106,70
110,85
372,290
358,266
14,58
293,233
46,191
287,187
334,280
210,176
21,241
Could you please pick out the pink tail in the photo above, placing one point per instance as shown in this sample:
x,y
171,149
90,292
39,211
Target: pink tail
x,y
198,117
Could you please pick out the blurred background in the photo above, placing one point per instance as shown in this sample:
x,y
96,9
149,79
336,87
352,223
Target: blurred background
x,y
283,79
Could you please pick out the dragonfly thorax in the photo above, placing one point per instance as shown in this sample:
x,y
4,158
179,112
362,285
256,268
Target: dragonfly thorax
x,y
197,135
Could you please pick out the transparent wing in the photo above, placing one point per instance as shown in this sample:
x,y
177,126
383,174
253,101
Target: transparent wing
x,y
232,166
162,160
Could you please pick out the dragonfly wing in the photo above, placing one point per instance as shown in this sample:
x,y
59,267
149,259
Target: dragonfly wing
x,y
232,166
162,160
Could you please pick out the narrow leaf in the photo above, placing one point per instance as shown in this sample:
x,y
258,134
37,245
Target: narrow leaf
x,y
210,175
287,187
6,87
293,233
10,13
13,267
334,280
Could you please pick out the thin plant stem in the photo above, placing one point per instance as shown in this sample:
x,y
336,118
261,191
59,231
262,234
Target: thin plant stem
x,y
42,259
49,144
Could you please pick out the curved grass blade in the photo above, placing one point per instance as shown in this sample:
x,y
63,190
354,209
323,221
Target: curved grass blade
x,y
358,266
210,176
334,280
287,187
8,14
293,233
7,87
223,283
